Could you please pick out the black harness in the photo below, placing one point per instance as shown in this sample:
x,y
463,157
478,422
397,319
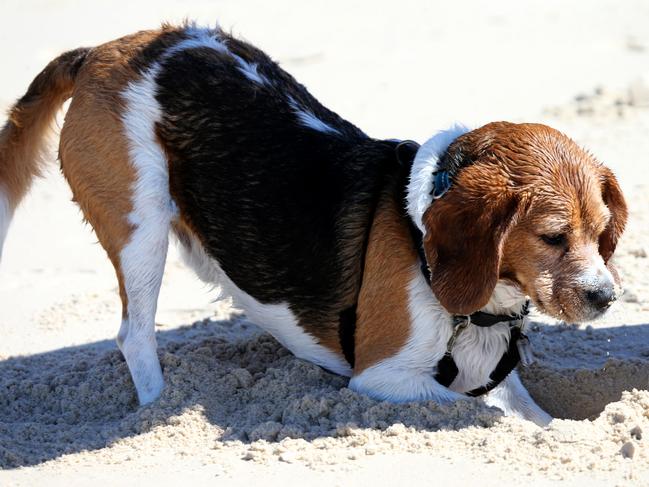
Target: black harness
x,y
518,349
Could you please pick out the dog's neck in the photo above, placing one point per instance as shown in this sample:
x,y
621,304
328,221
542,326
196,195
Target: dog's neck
x,y
507,299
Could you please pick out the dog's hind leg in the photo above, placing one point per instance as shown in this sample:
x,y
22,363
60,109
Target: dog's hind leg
x,y
119,176
134,232
142,262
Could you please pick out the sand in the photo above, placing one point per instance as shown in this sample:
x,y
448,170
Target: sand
x,y
238,408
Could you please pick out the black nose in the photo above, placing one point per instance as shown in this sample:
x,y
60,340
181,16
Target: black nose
x,y
601,298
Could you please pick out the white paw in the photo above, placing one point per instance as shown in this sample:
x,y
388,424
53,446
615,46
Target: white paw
x,y
151,390
143,363
534,414
540,417
447,396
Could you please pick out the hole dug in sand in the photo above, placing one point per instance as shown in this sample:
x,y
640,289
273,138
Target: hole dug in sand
x,y
580,370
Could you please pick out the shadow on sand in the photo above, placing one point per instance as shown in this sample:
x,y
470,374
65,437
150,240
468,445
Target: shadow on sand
x,y
250,388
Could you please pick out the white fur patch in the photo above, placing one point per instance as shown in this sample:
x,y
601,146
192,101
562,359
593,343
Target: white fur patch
x,y
249,70
506,299
6,213
476,352
277,319
308,119
208,38
596,274
199,37
142,260
423,167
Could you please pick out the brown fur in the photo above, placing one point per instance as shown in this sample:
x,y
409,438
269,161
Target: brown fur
x,y
93,149
383,318
23,137
524,181
614,200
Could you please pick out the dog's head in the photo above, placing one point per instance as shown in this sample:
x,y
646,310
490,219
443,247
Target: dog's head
x,y
525,205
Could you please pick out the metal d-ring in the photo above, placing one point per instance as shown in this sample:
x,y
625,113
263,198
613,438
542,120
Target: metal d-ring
x,y
459,326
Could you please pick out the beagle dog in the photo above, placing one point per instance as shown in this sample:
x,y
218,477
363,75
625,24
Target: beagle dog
x,y
405,268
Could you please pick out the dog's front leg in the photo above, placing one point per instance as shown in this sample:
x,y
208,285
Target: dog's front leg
x,y
514,400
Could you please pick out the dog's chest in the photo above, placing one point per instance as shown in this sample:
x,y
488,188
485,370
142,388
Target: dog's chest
x,y
409,374
477,354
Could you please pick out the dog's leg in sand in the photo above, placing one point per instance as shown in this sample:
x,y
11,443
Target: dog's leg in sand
x,y
142,259
142,264
136,242
512,397
119,176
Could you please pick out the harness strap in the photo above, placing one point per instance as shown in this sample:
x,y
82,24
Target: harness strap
x,y
507,363
485,320
447,369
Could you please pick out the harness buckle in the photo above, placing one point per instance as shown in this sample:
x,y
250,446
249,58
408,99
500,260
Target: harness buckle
x,y
523,344
525,350
460,324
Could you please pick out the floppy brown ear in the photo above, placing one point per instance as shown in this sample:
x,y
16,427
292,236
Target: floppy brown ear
x,y
614,200
465,232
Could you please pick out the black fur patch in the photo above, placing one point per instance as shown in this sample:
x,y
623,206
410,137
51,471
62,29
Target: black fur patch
x,y
282,207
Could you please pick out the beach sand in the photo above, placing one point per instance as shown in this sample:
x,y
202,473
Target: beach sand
x,y
239,408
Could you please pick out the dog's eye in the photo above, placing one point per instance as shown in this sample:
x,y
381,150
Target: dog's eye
x,y
555,240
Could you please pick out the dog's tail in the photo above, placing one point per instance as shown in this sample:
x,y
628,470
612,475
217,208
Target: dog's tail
x,y
23,139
